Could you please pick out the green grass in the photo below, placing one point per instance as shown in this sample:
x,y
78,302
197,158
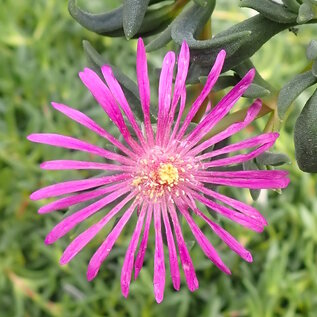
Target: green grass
x,y
40,56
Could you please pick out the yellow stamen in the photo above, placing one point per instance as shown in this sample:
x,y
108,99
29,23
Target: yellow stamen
x,y
168,174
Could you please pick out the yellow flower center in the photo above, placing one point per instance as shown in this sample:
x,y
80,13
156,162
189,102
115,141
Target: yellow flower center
x,y
167,174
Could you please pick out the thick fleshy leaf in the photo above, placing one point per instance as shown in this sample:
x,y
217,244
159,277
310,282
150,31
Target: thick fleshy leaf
x,y
305,13
185,27
305,136
273,159
291,5
133,14
311,51
108,23
240,42
271,10
292,90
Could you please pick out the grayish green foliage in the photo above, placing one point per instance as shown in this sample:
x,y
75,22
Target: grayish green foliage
x,y
305,136
292,90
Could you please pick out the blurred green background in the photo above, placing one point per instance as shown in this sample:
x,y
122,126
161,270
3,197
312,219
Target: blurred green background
x,y
40,56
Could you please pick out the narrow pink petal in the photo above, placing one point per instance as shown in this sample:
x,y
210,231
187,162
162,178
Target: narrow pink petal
x,y
71,221
236,159
75,186
204,243
238,205
240,218
257,174
127,266
75,144
78,165
103,251
260,183
242,145
222,108
144,89
143,245
227,238
179,116
187,264
86,236
164,95
91,125
79,198
231,130
118,94
104,97
175,274
182,70
211,80
159,264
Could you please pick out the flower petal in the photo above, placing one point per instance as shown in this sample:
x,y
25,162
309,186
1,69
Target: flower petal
x,y
187,264
159,264
143,245
242,145
118,94
127,266
231,130
86,236
164,94
71,221
227,238
103,251
204,243
75,186
175,274
68,142
79,198
78,165
91,125
144,89
211,80
104,97
221,109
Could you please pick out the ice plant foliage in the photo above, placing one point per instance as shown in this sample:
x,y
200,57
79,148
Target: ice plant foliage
x,y
160,172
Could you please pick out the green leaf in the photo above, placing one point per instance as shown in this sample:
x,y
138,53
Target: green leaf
x,y
305,136
133,14
311,51
292,5
160,40
272,159
244,67
305,13
185,27
314,69
292,90
202,3
271,10
250,35
129,87
108,23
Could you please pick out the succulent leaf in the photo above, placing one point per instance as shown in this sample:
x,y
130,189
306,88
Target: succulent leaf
x,y
185,27
305,136
291,5
271,10
292,90
133,14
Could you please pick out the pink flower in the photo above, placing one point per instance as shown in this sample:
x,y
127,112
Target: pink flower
x,y
159,174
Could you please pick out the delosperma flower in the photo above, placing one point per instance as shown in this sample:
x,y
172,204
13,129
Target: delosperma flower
x,y
160,172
